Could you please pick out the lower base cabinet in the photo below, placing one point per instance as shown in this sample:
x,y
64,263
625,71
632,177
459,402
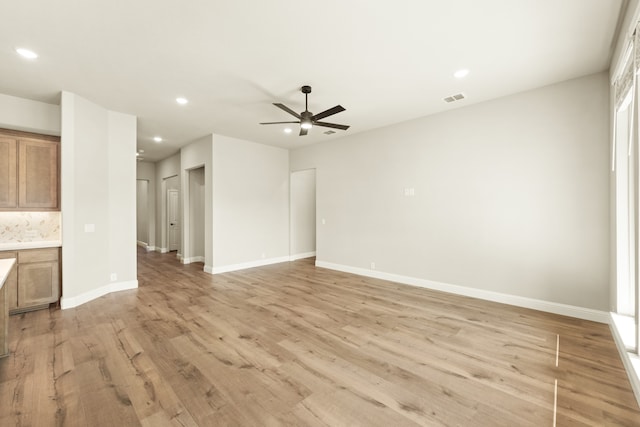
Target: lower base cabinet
x,y
35,282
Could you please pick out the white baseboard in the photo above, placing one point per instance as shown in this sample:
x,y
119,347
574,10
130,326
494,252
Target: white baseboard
x,y
302,255
250,264
146,246
208,269
162,250
70,302
630,361
541,305
192,259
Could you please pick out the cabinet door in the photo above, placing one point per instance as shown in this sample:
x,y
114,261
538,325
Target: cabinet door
x,y
8,173
12,280
38,174
39,284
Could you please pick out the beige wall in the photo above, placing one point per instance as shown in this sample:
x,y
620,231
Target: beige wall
x,y
511,196
98,191
250,202
29,116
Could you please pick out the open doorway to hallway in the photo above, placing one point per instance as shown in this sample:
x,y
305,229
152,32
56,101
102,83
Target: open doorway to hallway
x,y
194,221
303,214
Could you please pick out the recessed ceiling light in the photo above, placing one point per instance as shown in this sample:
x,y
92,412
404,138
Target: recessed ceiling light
x,y
287,130
461,73
137,154
157,139
182,101
26,53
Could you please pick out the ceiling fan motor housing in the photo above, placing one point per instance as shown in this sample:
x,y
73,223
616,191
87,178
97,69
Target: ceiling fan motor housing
x,y
306,89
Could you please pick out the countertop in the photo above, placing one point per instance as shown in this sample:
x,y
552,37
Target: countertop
x,y
5,268
15,246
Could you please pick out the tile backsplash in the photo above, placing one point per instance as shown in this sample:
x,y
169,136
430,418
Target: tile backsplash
x,y
29,226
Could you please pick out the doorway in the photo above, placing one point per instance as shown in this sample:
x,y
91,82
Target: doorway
x,y
171,236
142,212
195,217
173,220
303,214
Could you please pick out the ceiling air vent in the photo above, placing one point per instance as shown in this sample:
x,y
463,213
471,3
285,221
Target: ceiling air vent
x,y
329,132
453,98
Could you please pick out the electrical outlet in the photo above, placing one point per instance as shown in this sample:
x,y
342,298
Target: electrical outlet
x,y
373,265
114,277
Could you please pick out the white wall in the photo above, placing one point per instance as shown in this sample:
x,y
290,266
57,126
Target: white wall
x,y
195,155
511,196
98,192
122,136
29,116
250,203
303,213
167,178
146,171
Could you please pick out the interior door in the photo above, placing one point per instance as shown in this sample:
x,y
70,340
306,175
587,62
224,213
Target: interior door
x,y
173,204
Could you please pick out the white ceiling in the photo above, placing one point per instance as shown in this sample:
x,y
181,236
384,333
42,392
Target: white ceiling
x,y
384,61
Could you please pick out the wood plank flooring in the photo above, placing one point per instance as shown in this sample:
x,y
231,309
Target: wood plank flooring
x,y
295,345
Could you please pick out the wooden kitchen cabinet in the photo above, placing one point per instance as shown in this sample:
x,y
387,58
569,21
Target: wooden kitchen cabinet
x,y
35,282
8,173
29,171
38,278
12,281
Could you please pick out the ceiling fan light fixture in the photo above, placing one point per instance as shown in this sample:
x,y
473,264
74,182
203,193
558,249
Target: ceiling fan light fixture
x,y
26,53
306,125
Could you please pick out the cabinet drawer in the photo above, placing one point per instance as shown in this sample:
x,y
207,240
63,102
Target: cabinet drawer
x,y
37,255
8,254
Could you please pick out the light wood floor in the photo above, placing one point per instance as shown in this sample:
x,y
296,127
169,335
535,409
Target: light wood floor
x,y
291,344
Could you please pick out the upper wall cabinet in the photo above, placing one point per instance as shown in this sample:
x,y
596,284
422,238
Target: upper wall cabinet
x,y
8,173
29,171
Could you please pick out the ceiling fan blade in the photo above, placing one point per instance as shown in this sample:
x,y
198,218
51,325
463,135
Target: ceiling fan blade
x,y
287,109
303,131
276,123
331,125
329,112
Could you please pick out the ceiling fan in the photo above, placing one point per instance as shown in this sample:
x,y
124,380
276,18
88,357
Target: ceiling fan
x,y
308,120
